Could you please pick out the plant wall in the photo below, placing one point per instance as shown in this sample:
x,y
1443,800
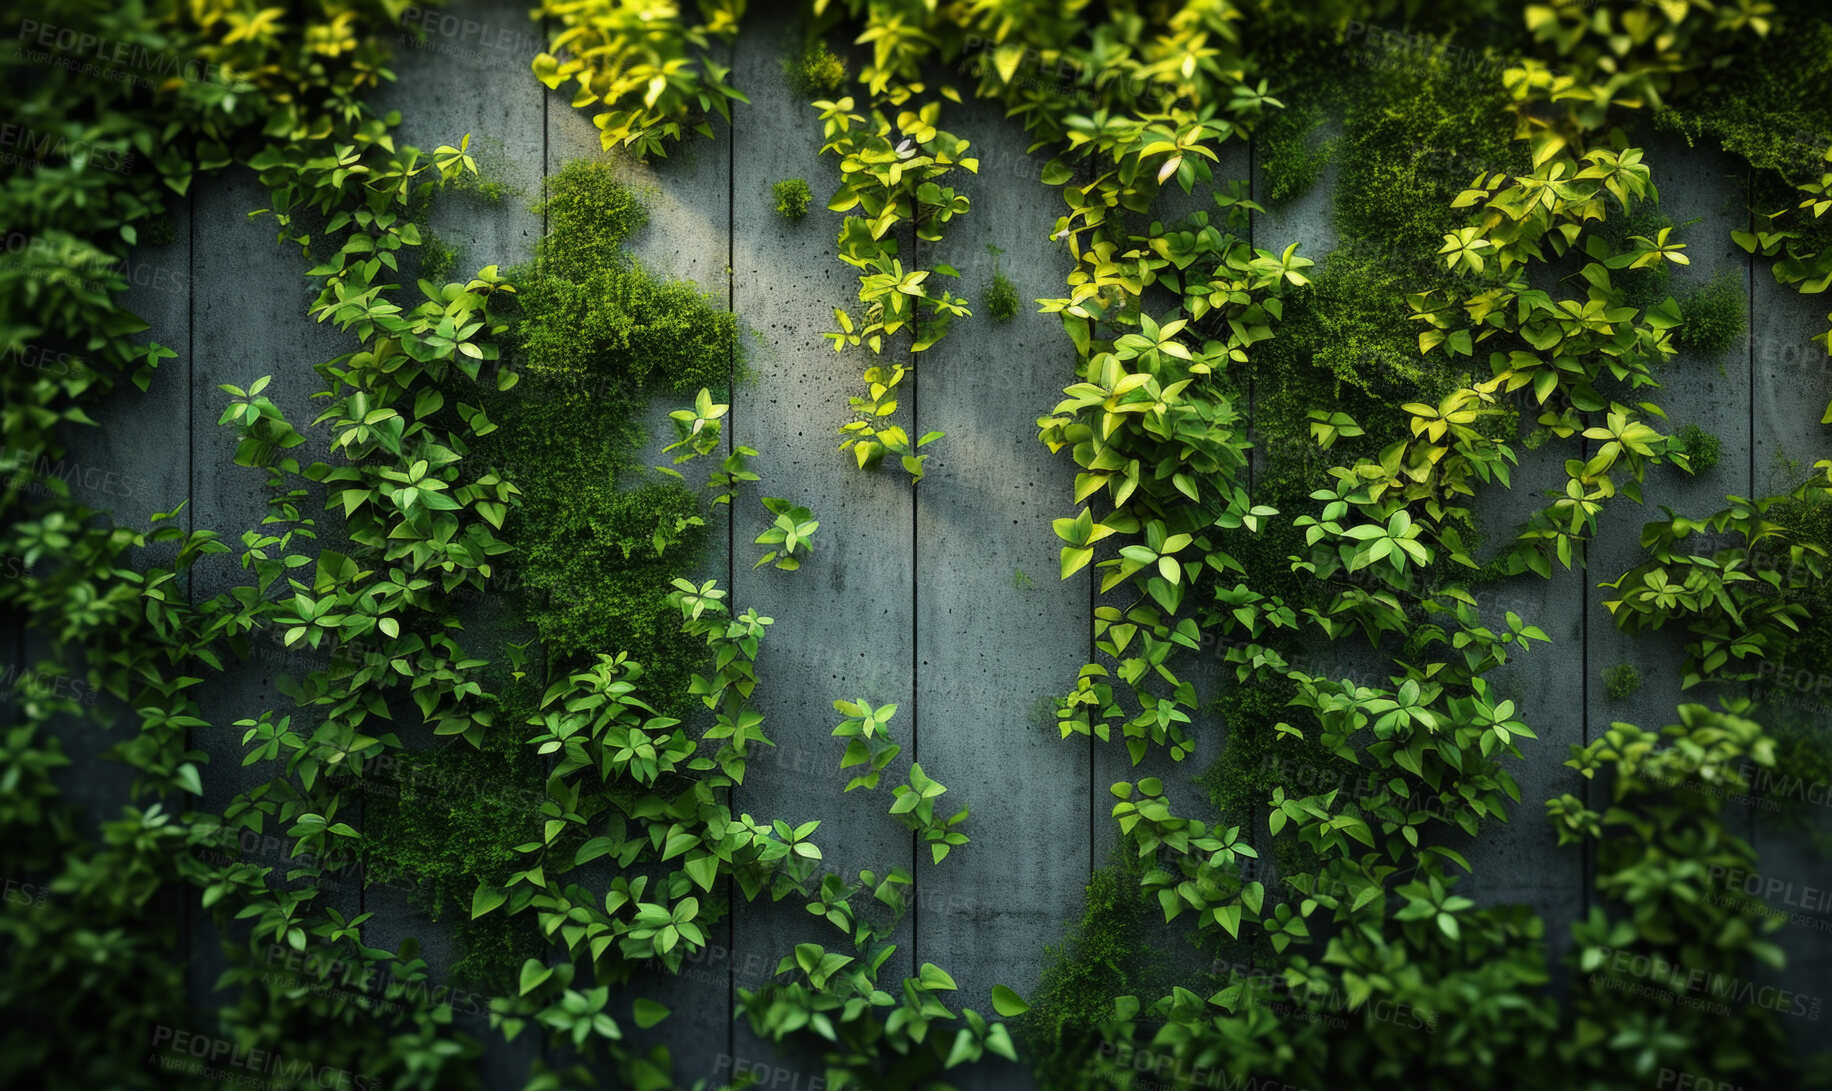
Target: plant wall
x,y
1278,457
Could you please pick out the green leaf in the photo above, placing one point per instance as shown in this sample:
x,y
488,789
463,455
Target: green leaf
x,y
648,1012
591,850
934,977
703,870
187,778
963,1050
998,1040
486,898
1007,1002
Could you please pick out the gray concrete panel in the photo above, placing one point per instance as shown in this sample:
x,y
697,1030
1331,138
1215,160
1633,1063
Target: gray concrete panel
x,y
845,621
997,632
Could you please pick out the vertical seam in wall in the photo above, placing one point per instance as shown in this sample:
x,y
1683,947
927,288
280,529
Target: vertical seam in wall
x,y
1749,332
190,487
1253,810
731,515
1086,171
1749,308
1590,861
541,1043
915,582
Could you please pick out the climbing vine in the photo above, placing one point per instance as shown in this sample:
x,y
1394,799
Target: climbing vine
x,y
1224,522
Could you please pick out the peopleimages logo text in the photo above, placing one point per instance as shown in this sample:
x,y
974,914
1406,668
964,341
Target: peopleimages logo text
x,y
228,1061
73,44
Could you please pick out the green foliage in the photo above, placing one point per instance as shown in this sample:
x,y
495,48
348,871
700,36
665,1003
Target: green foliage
x,y
1660,847
903,1051
1289,153
591,316
1497,304
1642,286
596,336
1740,606
1713,315
442,820
867,735
1791,689
789,534
590,218
1104,955
915,803
89,955
1791,800
1595,63
891,183
590,565
1001,300
437,257
1767,111
697,429
1701,449
1412,134
1621,681
816,71
629,785
630,854
868,743
649,72
792,198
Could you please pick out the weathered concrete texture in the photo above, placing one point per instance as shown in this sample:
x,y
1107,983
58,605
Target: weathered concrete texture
x,y
1792,382
250,320
844,622
469,75
137,464
687,237
997,632
1792,385
1713,394
1519,861
1305,219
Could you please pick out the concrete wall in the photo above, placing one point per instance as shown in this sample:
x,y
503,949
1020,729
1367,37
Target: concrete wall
x,y
942,598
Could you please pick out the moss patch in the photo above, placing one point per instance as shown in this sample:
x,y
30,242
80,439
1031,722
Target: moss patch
x,y
814,70
1104,956
1621,681
1772,110
1714,314
1701,448
1001,298
593,337
451,819
596,336
793,198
